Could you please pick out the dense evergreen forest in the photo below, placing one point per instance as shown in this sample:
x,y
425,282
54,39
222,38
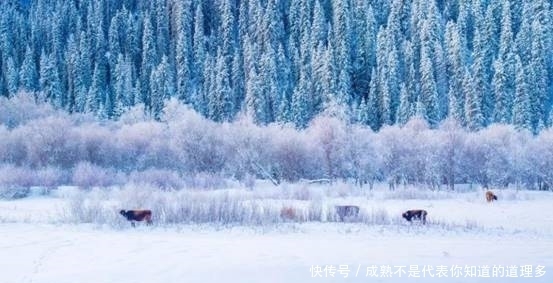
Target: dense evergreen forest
x,y
374,62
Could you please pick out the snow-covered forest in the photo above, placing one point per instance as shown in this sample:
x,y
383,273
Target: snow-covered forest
x,y
260,140
44,146
378,62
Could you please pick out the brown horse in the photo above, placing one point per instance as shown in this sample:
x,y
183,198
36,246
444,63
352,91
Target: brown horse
x,y
137,215
490,196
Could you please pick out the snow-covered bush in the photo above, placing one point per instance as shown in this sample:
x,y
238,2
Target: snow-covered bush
x,y
14,192
205,154
161,179
87,175
12,176
205,180
51,177
22,108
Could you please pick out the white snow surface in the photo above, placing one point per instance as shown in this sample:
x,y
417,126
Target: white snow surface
x,y
518,230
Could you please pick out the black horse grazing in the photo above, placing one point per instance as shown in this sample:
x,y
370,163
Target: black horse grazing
x,y
415,214
137,215
347,211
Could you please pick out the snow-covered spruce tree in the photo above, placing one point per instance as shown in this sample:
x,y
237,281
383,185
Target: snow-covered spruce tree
x,y
503,81
343,38
220,99
455,72
198,98
405,108
522,108
480,77
28,74
384,44
318,27
184,50
502,93
429,93
94,96
50,81
473,103
12,77
72,57
83,73
123,88
373,104
116,41
540,64
301,102
162,22
149,61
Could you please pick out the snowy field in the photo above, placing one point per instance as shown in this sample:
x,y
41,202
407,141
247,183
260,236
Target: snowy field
x,y
465,235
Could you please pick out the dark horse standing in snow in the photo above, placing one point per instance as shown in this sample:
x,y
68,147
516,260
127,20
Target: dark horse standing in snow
x,y
418,214
137,215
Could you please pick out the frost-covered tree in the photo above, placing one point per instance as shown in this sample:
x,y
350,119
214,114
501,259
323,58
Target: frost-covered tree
x,y
373,104
405,111
149,61
12,76
123,88
160,87
502,92
28,74
83,72
50,81
522,108
540,64
184,50
322,55
343,38
221,100
199,62
480,76
455,71
503,82
473,103
429,93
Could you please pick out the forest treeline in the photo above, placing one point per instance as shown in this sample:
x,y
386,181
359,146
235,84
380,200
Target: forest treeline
x,y
379,62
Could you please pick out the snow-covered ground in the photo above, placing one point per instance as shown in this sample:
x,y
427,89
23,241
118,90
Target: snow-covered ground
x,y
465,233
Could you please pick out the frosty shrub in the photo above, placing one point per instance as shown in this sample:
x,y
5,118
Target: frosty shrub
x,y
316,211
13,176
159,178
185,145
87,175
174,207
301,193
374,216
413,192
91,207
205,180
16,182
22,108
14,192
51,177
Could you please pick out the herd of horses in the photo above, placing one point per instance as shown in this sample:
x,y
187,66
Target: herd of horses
x,y
344,212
